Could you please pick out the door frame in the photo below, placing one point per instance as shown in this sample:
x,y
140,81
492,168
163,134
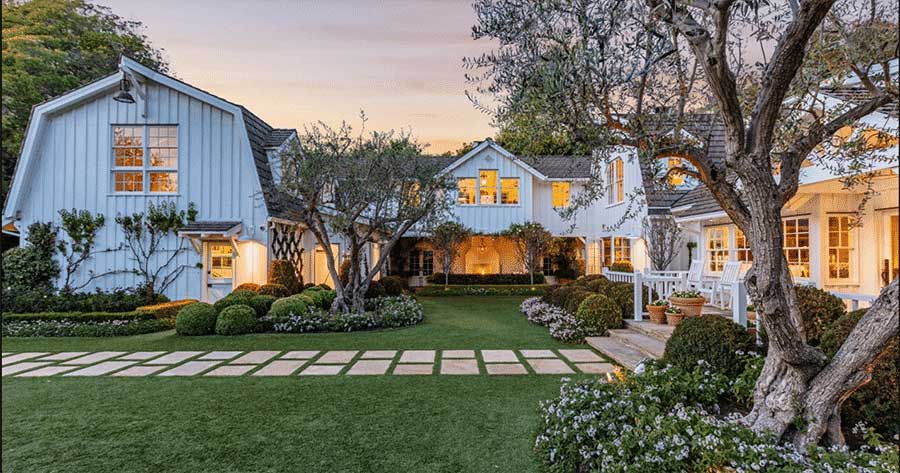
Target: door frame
x,y
883,219
205,269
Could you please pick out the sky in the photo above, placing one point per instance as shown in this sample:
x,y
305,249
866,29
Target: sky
x,y
294,62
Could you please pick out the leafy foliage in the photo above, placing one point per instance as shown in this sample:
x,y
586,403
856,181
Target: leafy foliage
x,y
248,286
166,310
274,289
715,340
198,318
82,227
482,290
531,241
282,272
446,239
262,304
819,309
236,320
490,279
290,306
241,297
597,314
31,269
393,285
79,328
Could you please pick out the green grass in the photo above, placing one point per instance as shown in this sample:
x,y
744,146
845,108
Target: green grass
x,y
328,424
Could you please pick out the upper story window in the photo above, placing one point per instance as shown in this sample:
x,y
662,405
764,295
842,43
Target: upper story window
x,y
841,247
465,194
676,178
487,189
717,248
615,181
132,172
796,245
561,194
509,191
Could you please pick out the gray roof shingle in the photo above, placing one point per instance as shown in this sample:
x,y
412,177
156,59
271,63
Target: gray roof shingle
x,y
698,201
209,226
858,95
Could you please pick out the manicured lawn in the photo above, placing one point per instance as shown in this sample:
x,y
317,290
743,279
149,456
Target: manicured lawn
x,y
329,424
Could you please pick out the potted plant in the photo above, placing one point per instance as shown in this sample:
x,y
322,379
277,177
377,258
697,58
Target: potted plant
x,y
674,315
657,310
690,302
751,313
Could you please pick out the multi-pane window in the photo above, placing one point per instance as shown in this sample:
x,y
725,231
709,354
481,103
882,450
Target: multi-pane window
x,y
414,264
427,263
465,191
796,245
615,181
132,171
607,252
560,192
509,191
717,248
220,262
840,247
615,249
594,257
487,189
742,248
547,265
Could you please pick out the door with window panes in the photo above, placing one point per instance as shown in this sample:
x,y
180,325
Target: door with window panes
x,y
889,256
219,269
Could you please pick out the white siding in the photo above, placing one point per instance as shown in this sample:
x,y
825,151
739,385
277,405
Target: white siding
x,y
495,218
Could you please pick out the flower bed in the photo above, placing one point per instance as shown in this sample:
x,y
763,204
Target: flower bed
x,y
437,290
89,324
383,312
562,324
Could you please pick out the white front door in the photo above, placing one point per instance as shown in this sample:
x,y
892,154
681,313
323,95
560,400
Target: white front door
x,y
322,275
219,268
889,260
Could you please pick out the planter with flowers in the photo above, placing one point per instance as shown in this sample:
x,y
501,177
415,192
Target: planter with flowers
x,y
674,315
751,313
657,310
690,302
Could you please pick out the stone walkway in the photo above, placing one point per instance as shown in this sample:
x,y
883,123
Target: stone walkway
x,y
305,363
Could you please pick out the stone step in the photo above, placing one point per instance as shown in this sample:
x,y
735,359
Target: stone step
x,y
650,346
660,332
617,351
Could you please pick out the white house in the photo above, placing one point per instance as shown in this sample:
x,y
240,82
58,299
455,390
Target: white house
x,y
174,143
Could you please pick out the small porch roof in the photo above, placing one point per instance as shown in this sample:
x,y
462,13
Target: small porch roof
x,y
210,228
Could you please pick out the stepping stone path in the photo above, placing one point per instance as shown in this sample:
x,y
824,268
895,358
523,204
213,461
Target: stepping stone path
x,y
496,362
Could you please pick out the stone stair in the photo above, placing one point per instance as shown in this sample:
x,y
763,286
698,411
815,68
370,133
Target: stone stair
x,y
633,344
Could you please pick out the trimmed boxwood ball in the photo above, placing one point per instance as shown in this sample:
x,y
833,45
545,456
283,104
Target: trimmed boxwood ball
x,y
287,306
575,298
261,304
235,298
198,318
600,285
393,285
597,314
248,286
273,289
236,320
819,310
623,295
711,338
320,297
376,289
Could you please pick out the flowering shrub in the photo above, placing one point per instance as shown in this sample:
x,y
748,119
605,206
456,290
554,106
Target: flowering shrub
x,y
389,312
664,420
399,311
563,325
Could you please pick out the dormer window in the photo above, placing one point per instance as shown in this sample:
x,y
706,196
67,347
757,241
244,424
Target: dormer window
x,y
615,182
487,189
145,159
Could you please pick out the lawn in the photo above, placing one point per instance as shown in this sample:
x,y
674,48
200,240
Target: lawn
x,y
333,424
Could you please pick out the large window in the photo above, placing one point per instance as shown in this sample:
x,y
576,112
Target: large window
x,y
427,263
796,245
220,262
560,191
840,247
465,191
717,248
509,191
615,249
132,171
742,249
615,181
487,189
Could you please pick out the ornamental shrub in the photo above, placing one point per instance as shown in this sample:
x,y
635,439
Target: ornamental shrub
x,y
557,295
241,297
166,310
597,314
819,310
198,318
295,305
622,294
83,328
25,269
393,285
399,311
273,289
711,338
480,290
622,267
281,271
261,304
320,297
598,285
248,286
375,290
236,320
574,299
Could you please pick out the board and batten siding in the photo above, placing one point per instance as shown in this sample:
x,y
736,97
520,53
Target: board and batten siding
x,y
494,218
72,169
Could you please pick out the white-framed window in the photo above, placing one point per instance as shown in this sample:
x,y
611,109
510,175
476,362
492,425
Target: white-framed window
x,y
796,245
615,250
465,191
221,264
145,159
487,187
615,182
841,248
427,262
509,191
547,265
561,193
742,250
716,248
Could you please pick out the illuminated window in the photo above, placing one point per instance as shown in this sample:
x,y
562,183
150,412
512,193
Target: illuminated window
x,y
742,249
465,191
615,182
132,172
607,252
622,250
675,179
840,247
509,191
560,192
487,189
796,245
427,263
717,248
220,262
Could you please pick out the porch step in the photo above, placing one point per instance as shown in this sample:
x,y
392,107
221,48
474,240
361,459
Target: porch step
x,y
660,332
617,351
649,346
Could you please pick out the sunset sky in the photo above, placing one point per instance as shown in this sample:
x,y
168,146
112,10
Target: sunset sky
x,y
293,62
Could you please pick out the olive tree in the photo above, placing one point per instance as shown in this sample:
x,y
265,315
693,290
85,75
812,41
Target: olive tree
x,y
612,72
361,187
447,238
532,241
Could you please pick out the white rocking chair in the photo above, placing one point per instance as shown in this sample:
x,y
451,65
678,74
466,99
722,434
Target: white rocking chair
x,y
695,275
715,290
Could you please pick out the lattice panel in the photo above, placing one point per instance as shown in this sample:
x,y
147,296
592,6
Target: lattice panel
x,y
287,244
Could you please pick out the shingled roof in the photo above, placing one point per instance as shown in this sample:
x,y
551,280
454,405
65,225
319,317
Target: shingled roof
x,y
858,95
263,136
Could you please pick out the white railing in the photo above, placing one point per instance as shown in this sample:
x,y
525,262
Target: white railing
x,y
855,299
617,276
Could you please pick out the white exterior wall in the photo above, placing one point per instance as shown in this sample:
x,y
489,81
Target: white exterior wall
x,y
495,218
71,169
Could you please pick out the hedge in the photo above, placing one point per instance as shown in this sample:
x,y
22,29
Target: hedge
x,y
166,310
481,290
489,279
48,327
79,316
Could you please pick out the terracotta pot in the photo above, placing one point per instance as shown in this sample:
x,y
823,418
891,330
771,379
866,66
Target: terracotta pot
x,y
690,306
657,313
751,316
674,319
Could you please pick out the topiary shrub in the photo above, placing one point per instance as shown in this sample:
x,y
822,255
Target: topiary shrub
x,y
393,285
320,297
574,299
237,297
344,272
236,320
261,304
376,289
276,290
248,286
281,271
877,402
622,294
819,310
166,310
198,318
597,314
27,269
711,338
557,295
622,267
598,285
296,305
